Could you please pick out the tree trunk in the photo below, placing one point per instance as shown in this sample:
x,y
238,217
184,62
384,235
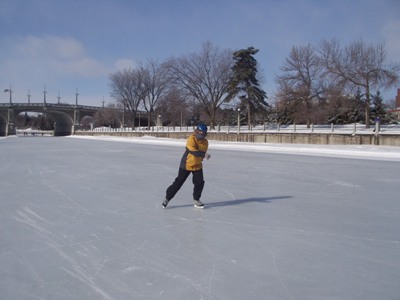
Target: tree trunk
x,y
149,120
249,119
367,108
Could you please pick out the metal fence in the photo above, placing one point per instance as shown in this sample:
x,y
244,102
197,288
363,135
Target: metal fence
x,y
270,128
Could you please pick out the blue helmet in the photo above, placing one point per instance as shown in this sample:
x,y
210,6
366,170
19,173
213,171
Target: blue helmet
x,y
202,127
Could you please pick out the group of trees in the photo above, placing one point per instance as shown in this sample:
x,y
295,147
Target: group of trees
x,y
190,88
334,84
324,84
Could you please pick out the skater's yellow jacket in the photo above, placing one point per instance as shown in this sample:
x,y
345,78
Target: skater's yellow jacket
x,y
192,159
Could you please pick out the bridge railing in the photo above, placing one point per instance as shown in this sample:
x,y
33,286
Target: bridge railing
x,y
56,105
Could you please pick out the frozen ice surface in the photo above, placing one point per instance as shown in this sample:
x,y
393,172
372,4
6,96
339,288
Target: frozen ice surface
x,y
82,219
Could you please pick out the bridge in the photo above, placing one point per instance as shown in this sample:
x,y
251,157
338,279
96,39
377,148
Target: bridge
x,y
67,116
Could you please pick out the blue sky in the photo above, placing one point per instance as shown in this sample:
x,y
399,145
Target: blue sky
x,y
75,44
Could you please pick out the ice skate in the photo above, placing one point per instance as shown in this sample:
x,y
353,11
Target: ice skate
x,y
165,203
198,204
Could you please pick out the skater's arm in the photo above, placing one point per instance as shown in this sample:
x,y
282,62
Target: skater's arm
x,y
193,148
196,152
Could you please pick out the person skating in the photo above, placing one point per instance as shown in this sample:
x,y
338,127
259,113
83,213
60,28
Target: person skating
x,y
191,162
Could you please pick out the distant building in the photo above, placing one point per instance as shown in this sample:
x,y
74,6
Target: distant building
x,y
398,99
396,111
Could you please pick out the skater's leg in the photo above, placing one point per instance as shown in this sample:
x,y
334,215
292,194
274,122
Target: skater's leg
x,y
198,182
177,184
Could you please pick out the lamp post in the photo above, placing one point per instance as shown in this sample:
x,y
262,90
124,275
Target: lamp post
x,y
123,117
181,121
76,98
76,117
44,95
9,91
238,119
10,129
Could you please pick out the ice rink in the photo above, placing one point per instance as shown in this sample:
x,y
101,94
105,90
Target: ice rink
x,y
82,219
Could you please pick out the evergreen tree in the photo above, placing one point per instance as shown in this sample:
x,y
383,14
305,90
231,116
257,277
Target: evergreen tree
x,y
356,112
378,111
244,83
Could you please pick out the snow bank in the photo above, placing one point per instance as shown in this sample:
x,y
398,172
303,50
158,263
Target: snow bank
x,y
349,151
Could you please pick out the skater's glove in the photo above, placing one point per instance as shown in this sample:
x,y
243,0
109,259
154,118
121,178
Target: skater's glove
x,y
208,156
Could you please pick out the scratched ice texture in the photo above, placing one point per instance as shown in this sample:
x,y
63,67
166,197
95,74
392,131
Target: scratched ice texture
x,y
82,219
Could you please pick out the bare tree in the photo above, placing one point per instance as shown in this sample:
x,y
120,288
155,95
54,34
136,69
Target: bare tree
x,y
359,66
128,88
286,106
174,109
109,116
204,77
301,80
156,83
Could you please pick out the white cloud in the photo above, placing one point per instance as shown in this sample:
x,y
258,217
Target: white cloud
x,y
83,66
124,63
60,63
53,56
57,47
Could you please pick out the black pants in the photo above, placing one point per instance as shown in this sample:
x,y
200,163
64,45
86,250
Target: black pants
x,y
198,181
